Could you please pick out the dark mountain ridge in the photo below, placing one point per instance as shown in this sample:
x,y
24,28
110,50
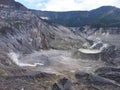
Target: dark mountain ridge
x,y
105,16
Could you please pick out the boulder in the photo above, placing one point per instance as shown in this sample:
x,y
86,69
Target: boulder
x,y
112,73
63,84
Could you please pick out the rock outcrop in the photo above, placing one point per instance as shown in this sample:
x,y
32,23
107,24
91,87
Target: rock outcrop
x,y
112,73
95,82
23,32
64,84
36,81
11,4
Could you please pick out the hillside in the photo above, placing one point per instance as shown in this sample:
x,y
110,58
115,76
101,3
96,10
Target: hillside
x,y
12,4
105,16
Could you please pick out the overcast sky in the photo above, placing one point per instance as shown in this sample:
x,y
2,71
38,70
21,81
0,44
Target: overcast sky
x,y
68,5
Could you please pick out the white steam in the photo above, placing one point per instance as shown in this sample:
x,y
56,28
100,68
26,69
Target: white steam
x,y
15,59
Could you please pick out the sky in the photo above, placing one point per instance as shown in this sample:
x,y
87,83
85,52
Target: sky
x,y
68,5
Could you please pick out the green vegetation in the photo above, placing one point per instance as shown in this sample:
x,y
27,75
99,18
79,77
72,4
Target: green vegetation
x,y
105,16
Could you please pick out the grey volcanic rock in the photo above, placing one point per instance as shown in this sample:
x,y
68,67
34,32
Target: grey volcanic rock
x,y
112,73
93,79
105,39
11,4
23,32
116,61
108,35
7,2
95,82
38,81
64,84
109,54
85,81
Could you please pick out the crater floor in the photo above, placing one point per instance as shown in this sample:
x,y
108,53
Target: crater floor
x,y
56,61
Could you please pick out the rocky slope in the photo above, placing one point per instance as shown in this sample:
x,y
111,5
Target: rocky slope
x,y
24,32
11,4
102,37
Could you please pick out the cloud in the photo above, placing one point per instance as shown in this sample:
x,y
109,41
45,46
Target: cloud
x,y
68,5
29,1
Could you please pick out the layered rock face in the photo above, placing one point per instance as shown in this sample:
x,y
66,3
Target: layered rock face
x,y
105,39
108,35
7,2
23,32
11,4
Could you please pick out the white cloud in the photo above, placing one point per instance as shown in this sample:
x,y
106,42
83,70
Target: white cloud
x,y
32,1
68,5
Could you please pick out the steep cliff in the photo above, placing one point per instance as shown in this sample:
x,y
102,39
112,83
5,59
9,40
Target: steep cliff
x,y
23,32
11,4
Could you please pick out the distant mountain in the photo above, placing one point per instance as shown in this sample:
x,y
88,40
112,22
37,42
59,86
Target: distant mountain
x,y
104,16
11,4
